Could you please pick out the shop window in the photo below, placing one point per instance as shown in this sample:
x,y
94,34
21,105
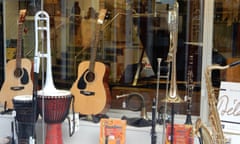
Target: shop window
x,y
130,35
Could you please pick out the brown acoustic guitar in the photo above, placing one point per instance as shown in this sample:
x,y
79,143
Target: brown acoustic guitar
x,y
91,90
18,72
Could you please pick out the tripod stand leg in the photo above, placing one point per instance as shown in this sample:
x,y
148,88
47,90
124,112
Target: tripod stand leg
x,y
172,123
138,69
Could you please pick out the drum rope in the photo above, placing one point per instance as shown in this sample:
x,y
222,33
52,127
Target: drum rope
x,y
73,119
12,129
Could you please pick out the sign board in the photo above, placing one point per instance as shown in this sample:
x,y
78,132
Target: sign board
x,y
229,106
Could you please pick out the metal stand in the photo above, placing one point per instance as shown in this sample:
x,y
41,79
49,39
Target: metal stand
x,y
172,123
153,131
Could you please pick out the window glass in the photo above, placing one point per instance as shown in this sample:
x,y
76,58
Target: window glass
x,y
226,34
134,34
2,47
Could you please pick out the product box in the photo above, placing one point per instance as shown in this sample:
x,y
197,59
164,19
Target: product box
x,y
182,134
112,131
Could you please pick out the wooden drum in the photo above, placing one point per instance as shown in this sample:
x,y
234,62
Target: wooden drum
x,y
25,118
56,108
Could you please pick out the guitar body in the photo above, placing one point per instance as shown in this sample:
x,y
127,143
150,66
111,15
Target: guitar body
x,y
14,86
92,96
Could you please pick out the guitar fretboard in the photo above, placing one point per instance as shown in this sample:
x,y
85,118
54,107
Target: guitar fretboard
x,y
99,23
19,46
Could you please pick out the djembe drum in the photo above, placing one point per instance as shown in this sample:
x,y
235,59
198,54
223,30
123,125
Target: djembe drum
x,y
25,118
56,108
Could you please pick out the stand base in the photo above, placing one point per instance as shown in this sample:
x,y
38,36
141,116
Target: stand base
x,y
93,118
54,134
24,132
137,122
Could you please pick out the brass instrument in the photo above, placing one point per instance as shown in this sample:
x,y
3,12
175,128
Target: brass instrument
x,y
131,99
203,133
216,136
217,133
172,96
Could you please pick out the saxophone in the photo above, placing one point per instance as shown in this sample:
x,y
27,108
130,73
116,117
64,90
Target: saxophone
x,y
203,133
217,133
216,136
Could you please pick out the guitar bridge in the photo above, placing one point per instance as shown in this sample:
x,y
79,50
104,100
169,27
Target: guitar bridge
x,y
87,93
17,88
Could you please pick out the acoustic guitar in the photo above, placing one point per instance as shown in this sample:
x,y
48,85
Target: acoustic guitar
x,y
91,90
18,72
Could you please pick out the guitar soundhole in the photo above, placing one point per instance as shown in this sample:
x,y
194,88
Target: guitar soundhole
x,y
18,72
90,76
22,73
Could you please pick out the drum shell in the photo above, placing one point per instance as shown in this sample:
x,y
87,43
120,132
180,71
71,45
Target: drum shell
x,y
24,131
24,111
25,118
56,108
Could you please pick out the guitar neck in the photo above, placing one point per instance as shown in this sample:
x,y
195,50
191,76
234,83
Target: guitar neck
x,y
22,15
101,17
94,49
19,46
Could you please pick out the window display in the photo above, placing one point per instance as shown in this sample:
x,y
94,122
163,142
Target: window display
x,y
132,37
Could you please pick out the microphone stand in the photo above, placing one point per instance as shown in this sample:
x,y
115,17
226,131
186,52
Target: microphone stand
x,y
34,98
155,106
153,131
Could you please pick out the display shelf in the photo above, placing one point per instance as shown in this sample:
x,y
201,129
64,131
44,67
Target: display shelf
x,y
89,132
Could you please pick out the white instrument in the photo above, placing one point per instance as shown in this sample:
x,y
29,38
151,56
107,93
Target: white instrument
x,y
42,28
53,103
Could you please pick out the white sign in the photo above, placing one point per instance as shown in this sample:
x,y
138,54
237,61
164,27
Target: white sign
x,y
229,105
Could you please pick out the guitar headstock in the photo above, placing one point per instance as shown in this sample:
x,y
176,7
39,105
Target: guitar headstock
x,y
103,14
22,15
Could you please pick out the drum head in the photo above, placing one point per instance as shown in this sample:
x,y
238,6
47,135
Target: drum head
x,y
4,140
23,98
23,105
54,93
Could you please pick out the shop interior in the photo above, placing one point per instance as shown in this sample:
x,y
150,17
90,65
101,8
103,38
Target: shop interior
x,y
150,63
